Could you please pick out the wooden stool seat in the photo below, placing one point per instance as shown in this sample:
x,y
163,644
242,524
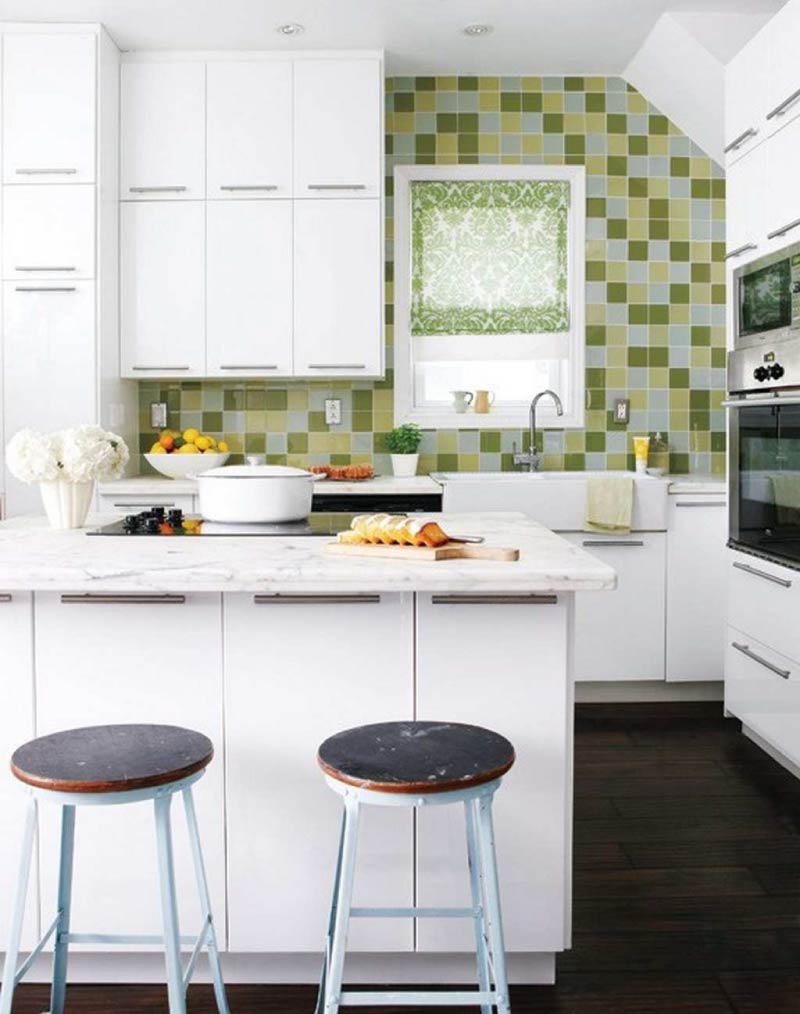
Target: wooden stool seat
x,y
112,758
416,757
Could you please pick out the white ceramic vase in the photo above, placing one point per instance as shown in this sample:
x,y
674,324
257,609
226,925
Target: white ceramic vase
x,y
404,465
66,504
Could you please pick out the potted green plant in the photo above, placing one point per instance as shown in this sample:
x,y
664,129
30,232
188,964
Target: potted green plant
x,y
403,445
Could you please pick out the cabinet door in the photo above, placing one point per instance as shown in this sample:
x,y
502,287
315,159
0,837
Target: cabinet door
x,y
16,727
338,288
86,676
50,374
746,98
782,196
338,137
619,635
503,666
747,219
249,129
49,108
328,666
783,92
48,232
162,288
163,124
697,560
249,288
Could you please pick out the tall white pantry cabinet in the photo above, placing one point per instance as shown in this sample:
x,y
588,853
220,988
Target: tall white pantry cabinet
x,y
59,362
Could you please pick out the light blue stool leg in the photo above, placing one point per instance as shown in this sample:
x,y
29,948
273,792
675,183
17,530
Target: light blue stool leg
x,y
169,907
205,902
476,886
61,951
15,933
326,955
493,912
341,920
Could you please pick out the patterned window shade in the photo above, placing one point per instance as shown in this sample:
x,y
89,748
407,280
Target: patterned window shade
x,y
489,257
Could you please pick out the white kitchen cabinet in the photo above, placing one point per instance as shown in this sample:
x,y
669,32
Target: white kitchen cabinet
x,y
326,664
84,676
16,727
510,674
49,365
163,130
746,77
162,291
338,288
782,196
249,128
746,223
697,574
338,134
764,601
49,232
782,94
49,107
249,288
619,635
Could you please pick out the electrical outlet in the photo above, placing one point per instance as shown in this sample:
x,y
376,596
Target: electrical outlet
x,y
333,411
158,414
622,411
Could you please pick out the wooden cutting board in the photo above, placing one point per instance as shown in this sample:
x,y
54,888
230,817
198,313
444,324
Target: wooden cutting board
x,y
449,551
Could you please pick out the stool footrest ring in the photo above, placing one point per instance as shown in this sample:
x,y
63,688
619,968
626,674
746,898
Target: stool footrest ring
x,y
449,998
415,913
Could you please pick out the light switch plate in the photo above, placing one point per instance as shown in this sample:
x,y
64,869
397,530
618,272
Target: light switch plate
x,y
333,411
158,414
622,411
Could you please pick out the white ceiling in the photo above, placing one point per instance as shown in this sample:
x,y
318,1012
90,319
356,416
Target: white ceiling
x,y
420,36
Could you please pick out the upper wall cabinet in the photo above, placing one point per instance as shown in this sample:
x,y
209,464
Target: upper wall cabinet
x,y
745,98
249,129
337,128
49,108
783,90
163,130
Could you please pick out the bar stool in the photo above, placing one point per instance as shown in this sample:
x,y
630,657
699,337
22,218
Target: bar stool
x,y
419,764
108,765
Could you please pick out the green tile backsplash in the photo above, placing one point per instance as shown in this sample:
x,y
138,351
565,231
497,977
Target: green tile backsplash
x,y
655,286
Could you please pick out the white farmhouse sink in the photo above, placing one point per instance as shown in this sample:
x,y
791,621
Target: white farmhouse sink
x,y
556,499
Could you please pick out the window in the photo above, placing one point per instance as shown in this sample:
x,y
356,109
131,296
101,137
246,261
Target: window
x,y
488,291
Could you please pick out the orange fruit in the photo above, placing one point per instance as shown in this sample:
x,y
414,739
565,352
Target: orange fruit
x,y
167,441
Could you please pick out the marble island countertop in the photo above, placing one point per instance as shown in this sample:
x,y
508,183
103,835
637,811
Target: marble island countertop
x,y
38,558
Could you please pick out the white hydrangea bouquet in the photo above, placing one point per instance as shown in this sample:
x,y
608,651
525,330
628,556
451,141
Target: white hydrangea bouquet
x,y
66,464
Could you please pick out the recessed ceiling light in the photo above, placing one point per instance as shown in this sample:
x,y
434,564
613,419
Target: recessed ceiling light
x,y
291,29
477,29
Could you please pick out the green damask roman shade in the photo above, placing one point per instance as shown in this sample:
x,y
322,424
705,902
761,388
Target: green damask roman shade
x,y
489,257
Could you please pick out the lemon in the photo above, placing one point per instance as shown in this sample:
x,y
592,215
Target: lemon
x,y
191,435
222,447
212,442
187,449
202,443
158,449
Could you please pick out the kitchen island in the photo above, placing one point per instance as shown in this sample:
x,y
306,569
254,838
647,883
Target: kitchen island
x,y
268,645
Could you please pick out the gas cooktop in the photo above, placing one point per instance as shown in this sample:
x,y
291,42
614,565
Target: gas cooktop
x,y
160,522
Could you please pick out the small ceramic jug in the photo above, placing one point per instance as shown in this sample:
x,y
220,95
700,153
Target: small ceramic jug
x,y
461,400
483,401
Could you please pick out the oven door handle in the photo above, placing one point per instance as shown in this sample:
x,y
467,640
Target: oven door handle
x,y
789,399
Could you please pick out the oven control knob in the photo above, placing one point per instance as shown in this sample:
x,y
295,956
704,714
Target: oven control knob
x,y
761,373
776,371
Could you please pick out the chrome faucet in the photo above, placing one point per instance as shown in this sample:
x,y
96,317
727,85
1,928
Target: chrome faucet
x,y
531,458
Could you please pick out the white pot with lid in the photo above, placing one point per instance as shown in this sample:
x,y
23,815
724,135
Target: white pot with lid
x,y
255,494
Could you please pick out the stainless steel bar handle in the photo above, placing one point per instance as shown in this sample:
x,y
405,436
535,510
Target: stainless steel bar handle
x,y
157,190
770,400
45,288
613,542
337,186
783,229
145,368
494,600
740,250
248,186
145,599
782,581
337,366
701,503
778,110
248,366
26,267
737,142
745,650
45,172
315,600
148,503
6,598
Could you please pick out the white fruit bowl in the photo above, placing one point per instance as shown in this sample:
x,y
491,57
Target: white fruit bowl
x,y
179,466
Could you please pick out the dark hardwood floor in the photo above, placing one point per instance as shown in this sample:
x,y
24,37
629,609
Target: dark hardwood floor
x,y
687,881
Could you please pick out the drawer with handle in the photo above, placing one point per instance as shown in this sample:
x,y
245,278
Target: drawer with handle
x,y
763,601
133,504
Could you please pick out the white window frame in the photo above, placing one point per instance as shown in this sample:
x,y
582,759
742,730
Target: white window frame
x,y
500,418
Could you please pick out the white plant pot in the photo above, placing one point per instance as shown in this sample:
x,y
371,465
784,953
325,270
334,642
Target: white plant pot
x,y
66,504
404,465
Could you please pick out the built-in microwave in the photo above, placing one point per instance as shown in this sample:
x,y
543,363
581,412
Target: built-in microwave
x,y
766,298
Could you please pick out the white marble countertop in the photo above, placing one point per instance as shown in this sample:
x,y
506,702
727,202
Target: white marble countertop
x,y
35,557
697,484
154,485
